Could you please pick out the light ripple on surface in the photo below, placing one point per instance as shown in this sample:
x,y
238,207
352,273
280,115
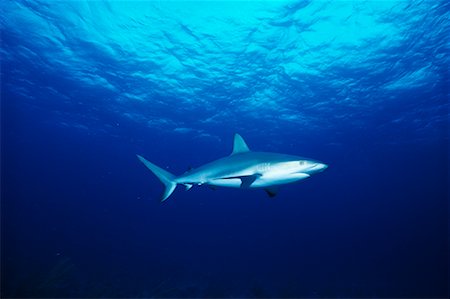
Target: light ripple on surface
x,y
319,65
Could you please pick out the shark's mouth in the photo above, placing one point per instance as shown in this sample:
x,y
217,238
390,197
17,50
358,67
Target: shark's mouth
x,y
318,167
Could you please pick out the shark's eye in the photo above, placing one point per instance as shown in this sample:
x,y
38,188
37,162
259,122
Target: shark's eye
x,y
301,162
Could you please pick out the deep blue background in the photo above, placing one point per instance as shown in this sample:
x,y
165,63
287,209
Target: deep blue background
x,y
80,214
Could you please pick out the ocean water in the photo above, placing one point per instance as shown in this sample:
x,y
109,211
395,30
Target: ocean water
x,y
360,85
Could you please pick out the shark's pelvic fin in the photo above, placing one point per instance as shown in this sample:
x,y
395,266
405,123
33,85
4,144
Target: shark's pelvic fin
x,y
271,191
239,145
166,177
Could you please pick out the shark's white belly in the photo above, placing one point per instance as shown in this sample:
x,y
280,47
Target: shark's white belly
x,y
262,181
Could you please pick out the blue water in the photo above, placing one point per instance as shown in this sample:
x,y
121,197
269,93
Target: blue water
x,y
360,85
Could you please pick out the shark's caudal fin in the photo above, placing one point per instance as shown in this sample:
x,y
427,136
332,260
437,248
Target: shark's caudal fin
x,y
239,145
166,177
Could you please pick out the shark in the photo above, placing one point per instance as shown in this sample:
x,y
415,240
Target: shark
x,y
243,168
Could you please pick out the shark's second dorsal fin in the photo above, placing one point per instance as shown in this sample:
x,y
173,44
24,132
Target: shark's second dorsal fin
x,y
239,145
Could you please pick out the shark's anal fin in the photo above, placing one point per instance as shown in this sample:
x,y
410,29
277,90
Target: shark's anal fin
x,y
271,191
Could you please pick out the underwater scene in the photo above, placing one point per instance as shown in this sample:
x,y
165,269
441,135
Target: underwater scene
x,y
224,149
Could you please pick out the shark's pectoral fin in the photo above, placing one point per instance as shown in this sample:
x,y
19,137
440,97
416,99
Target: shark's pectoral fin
x,y
248,180
271,191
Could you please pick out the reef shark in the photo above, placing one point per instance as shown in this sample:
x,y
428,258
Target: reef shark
x,y
242,169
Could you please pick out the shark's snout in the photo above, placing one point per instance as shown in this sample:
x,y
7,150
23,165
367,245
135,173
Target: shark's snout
x,y
317,167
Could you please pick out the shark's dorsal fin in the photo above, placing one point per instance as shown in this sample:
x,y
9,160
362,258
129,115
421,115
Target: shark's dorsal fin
x,y
239,145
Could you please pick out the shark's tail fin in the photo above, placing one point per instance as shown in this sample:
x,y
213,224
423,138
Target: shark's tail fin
x,y
166,177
